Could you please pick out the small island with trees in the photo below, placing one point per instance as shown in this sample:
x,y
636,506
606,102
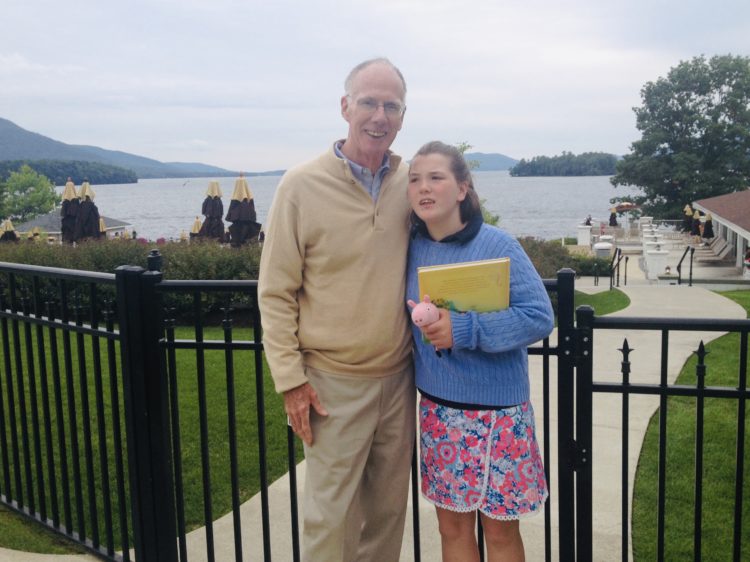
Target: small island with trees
x,y
567,164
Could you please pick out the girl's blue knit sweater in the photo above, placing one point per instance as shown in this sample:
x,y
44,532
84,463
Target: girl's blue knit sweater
x,y
488,364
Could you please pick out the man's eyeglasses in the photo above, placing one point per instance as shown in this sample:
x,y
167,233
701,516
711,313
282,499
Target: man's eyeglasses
x,y
390,108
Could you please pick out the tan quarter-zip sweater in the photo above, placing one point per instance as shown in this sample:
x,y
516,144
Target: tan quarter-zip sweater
x,y
332,274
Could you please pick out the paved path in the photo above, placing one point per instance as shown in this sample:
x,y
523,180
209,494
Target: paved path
x,y
647,299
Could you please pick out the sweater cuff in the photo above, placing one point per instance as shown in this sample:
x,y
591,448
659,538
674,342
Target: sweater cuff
x,y
288,381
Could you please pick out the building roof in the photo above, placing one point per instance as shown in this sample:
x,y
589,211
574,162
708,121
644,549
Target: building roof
x,y
733,208
51,223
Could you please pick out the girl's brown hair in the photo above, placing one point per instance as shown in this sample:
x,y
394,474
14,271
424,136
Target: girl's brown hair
x,y
470,206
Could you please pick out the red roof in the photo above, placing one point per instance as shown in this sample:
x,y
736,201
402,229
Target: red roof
x,y
732,207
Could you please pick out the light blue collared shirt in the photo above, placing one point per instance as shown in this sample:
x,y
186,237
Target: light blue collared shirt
x,y
371,182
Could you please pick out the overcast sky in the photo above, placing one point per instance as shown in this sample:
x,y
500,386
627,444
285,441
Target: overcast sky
x,y
253,86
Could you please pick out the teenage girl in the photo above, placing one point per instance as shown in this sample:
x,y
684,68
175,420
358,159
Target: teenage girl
x,y
478,445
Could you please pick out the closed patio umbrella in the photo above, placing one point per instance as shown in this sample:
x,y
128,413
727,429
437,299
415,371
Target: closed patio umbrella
x,y
242,215
8,232
213,209
687,218
695,228
196,228
708,227
69,211
613,216
87,218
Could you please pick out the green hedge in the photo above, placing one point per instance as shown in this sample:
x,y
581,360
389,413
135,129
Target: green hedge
x,y
180,260
209,260
550,256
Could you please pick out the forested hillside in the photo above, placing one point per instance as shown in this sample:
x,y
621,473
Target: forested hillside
x,y
18,144
490,162
58,171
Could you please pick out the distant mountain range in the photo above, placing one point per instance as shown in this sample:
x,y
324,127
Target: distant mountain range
x,y
17,143
491,162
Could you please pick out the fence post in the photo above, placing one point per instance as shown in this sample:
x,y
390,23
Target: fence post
x,y
146,416
154,260
565,401
584,431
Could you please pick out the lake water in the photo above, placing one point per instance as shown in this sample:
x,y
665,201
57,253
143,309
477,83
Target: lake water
x,y
548,207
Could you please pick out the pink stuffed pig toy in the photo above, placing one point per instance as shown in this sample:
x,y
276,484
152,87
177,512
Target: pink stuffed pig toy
x,y
424,313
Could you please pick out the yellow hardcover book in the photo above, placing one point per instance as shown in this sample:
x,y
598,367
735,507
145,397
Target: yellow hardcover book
x,y
481,286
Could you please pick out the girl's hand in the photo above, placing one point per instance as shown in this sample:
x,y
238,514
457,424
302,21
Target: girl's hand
x,y
440,333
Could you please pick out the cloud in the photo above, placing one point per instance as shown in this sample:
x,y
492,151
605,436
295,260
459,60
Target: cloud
x,y
255,85
16,64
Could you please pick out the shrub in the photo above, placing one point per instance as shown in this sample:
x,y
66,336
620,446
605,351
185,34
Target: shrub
x,y
209,260
180,260
590,265
197,260
548,257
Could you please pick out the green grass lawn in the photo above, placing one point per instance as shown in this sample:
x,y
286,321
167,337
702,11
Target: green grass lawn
x,y
720,446
604,302
21,534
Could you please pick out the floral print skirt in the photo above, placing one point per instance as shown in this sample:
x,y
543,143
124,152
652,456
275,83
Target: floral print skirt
x,y
485,460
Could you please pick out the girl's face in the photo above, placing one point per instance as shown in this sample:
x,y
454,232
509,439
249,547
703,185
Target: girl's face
x,y
435,195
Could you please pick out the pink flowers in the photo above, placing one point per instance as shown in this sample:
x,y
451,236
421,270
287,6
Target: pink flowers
x,y
447,452
472,497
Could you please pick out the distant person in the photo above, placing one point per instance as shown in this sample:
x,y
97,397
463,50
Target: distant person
x,y
336,331
478,446
587,222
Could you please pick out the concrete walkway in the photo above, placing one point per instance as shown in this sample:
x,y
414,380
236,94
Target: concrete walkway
x,y
647,299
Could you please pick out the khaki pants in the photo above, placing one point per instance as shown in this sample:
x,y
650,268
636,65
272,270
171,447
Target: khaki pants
x,y
358,468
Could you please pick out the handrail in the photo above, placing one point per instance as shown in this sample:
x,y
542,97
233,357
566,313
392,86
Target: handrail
x,y
679,266
617,256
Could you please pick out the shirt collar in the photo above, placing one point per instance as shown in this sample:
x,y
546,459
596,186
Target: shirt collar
x,y
466,234
358,170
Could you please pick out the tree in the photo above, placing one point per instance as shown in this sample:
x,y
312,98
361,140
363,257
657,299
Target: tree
x,y
27,194
695,141
567,164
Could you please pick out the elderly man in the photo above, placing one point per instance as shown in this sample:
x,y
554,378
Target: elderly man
x,y
336,332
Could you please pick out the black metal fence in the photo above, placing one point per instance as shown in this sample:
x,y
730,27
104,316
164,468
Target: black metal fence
x,y
134,410
61,410
587,388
